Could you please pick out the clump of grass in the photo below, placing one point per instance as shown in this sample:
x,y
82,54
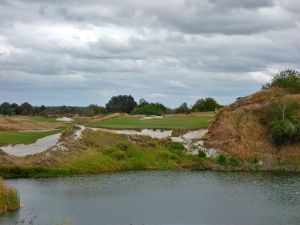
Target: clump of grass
x,y
202,154
222,159
9,198
234,161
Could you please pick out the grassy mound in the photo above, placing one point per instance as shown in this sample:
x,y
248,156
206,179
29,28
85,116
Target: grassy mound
x,y
9,198
98,152
243,129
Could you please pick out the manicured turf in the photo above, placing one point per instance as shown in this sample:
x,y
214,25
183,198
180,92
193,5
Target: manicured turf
x,y
24,137
42,119
169,122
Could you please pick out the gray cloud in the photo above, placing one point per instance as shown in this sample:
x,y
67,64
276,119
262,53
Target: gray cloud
x,y
81,52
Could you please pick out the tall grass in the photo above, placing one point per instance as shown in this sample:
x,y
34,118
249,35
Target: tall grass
x,y
9,198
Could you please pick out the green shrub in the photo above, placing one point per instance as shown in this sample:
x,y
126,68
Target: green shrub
x,y
119,155
176,147
287,79
156,109
234,161
222,159
283,120
202,154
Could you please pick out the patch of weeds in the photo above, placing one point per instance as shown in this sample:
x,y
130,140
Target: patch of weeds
x,y
234,161
176,147
222,159
202,154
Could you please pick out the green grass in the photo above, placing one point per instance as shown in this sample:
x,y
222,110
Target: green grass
x,y
106,152
186,122
13,138
42,119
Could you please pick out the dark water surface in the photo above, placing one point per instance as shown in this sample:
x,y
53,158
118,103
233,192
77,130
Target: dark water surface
x,y
161,198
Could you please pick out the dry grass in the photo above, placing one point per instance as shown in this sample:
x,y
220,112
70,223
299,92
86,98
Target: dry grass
x,y
19,123
238,130
9,198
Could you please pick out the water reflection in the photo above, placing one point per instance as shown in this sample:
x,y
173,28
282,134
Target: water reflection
x,y
162,198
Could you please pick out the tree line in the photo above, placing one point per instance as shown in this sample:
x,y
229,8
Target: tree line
x,y
120,103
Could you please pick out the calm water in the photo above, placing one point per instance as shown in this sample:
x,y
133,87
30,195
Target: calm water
x,y
162,198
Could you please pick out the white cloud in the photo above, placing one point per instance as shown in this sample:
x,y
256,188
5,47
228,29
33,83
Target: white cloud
x,y
152,49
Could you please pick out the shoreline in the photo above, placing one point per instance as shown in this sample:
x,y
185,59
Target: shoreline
x,y
44,172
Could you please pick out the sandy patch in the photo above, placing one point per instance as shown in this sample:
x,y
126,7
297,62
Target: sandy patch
x,y
65,119
40,145
145,132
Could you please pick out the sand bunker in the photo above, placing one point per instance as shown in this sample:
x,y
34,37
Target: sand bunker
x,y
40,145
145,132
65,119
152,117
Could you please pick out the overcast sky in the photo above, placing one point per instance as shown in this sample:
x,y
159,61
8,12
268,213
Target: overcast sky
x,y
172,51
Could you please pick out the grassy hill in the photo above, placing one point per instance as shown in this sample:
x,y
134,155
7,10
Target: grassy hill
x,y
241,130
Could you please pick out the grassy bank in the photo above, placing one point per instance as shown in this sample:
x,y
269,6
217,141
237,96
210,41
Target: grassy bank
x,y
187,122
24,137
107,152
98,152
9,198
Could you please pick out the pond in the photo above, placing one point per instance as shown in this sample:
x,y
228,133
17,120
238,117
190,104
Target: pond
x,y
161,198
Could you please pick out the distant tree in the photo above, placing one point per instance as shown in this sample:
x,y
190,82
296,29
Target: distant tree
x,y
121,103
145,108
142,102
205,105
26,108
287,79
183,108
42,108
5,108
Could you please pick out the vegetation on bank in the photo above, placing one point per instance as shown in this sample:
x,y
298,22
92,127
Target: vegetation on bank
x,y
287,79
283,121
14,138
9,198
263,128
282,116
186,122
98,152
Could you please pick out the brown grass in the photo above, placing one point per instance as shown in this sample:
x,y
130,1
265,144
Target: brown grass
x,y
19,123
238,130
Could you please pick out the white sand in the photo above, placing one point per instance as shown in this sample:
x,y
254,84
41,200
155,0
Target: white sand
x,y
145,132
78,132
40,145
65,119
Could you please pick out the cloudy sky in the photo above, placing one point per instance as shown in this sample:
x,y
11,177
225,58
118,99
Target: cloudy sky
x,y
173,51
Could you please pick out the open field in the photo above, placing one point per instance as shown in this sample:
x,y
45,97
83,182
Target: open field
x,y
186,122
13,138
